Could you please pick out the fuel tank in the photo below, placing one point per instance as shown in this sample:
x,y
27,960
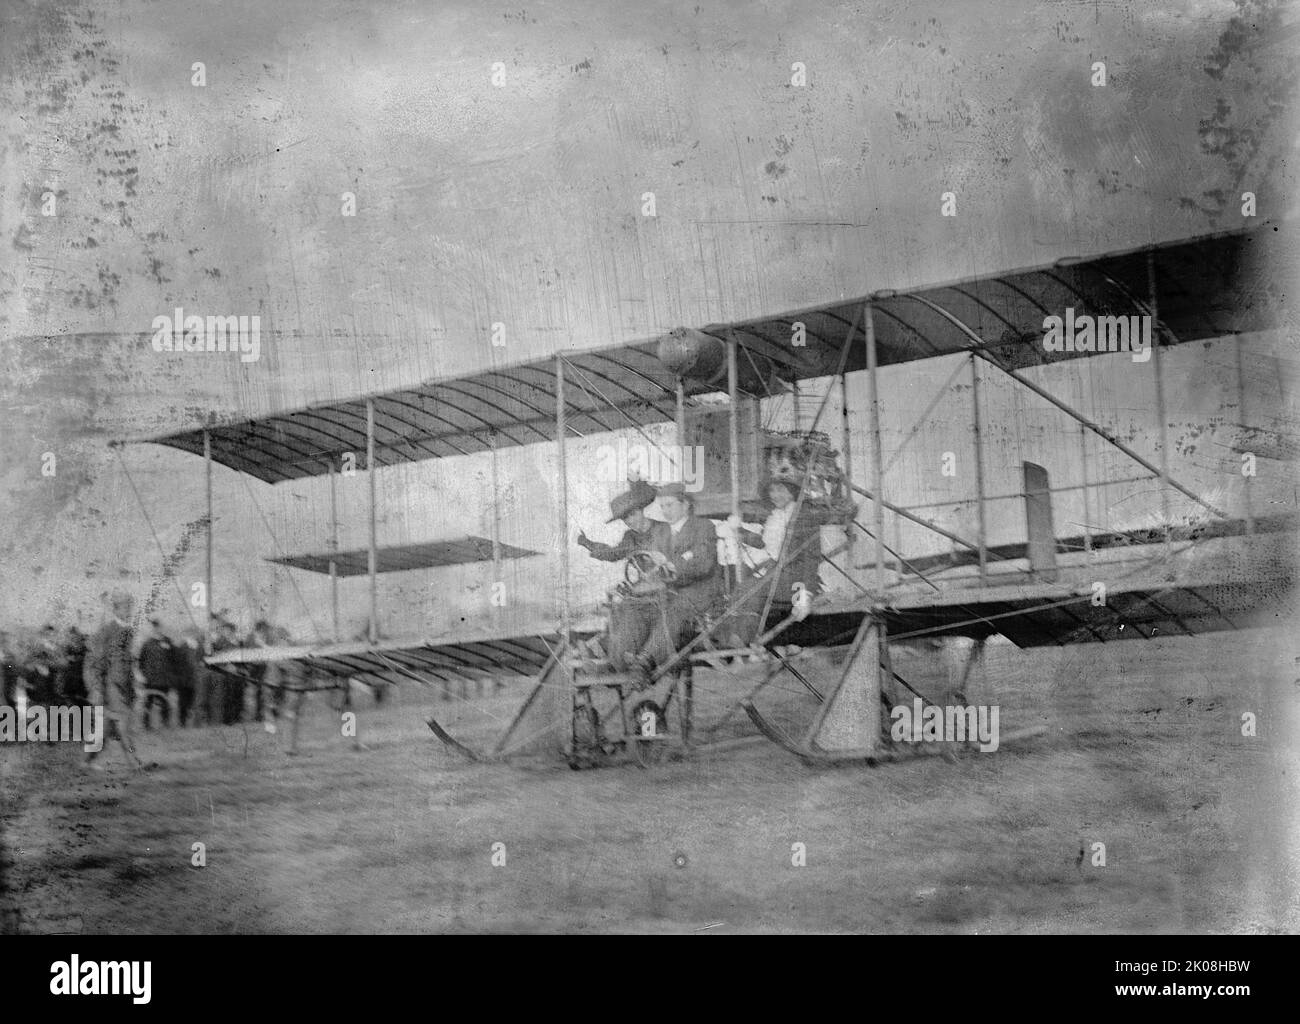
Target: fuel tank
x,y
696,356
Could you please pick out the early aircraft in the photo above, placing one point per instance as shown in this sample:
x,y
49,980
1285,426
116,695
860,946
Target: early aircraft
x,y
1215,571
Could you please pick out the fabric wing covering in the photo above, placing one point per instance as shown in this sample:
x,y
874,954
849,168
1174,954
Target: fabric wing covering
x,y
392,661
403,557
1207,287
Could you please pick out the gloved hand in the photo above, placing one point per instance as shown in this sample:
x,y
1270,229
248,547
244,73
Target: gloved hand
x,y
584,541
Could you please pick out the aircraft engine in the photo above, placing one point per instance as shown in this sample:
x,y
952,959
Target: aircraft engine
x,y
694,355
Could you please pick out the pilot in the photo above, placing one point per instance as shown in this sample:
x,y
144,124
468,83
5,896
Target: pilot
x,y
630,507
654,629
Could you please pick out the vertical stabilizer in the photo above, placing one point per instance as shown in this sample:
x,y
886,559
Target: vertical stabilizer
x,y
1041,549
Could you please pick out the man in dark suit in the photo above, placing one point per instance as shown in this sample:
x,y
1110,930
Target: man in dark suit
x,y
157,662
653,629
227,690
188,671
72,684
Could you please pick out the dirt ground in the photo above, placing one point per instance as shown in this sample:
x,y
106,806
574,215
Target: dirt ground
x,y
1144,753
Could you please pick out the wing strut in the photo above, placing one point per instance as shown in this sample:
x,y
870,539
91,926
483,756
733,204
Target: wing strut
x,y
1102,432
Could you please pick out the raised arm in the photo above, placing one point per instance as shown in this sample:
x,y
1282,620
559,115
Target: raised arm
x,y
610,552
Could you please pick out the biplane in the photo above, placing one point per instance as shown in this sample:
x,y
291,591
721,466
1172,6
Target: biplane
x,y
838,653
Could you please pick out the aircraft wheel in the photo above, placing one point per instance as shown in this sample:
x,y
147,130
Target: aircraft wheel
x,y
650,734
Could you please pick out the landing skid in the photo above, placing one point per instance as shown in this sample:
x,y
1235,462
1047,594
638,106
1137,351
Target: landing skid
x,y
807,754
847,724
535,706
454,743
870,660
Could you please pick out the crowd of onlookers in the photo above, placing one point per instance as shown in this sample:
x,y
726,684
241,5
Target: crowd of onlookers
x,y
168,682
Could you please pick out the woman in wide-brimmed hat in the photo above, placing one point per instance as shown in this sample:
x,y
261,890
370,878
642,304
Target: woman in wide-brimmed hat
x,y
630,507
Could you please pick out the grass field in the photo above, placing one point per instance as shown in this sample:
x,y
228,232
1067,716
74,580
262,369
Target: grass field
x,y
1144,753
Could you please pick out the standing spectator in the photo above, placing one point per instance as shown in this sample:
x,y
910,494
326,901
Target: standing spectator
x,y
256,672
157,665
277,677
298,680
188,673
217,682
72,683
20,646
287,678
231,687
43,667
110,680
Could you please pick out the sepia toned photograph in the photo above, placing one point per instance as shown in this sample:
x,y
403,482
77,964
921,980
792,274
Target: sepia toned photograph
x,y
673,468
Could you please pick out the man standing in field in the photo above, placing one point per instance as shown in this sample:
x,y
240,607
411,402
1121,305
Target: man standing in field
x,y
191,678
158,666
110,678
72,673
226,691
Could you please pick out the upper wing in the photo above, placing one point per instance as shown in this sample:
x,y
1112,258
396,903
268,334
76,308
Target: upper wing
x,y
1210,286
